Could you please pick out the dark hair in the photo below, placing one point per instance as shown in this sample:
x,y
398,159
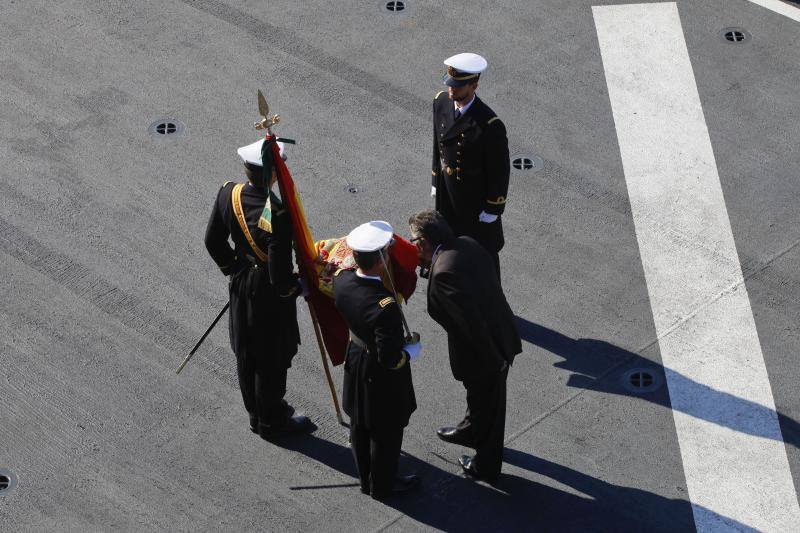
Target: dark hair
x,y
259,175
255,174
432,226
366,260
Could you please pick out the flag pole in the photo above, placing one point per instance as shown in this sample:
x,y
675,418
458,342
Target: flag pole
x,y
325,365
266,123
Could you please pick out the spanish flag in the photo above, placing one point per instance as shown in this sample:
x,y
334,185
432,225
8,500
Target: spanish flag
x,y
316,267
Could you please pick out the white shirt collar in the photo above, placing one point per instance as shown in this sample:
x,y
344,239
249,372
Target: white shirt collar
x,y
364,276
466,107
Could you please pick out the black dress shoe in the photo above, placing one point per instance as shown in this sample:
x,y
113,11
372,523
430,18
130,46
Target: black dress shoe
x,y
288,409
405,483
455,436
402,484
293,424
468,467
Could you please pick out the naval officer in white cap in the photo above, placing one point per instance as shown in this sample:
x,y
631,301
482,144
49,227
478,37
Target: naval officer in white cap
x,y
263,315
378,394
470,157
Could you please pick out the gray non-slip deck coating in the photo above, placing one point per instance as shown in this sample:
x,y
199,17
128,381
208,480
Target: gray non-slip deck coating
x,y
106,283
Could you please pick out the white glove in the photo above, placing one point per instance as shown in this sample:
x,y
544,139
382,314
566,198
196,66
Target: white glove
x,y
413,346
486,217
433,190
413,350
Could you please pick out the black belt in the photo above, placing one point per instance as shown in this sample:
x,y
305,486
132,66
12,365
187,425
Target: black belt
x,y
254,261
358,342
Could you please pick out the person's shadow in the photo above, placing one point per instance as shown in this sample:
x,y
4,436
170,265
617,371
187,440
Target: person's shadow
x,y
589,360
451,502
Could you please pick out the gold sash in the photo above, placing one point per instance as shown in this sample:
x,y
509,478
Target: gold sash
x,y
236,199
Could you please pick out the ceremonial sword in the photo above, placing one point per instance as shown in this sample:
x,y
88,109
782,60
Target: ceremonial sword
x,y
410,337
196,346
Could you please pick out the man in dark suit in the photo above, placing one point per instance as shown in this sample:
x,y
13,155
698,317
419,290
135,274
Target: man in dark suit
x,y
378,394
465,298
263,289
470,157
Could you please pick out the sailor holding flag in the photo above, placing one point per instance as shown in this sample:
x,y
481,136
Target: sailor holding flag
x,y
263,289
378,393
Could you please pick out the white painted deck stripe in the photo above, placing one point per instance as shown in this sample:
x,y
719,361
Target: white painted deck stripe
x,y
733,454
780,7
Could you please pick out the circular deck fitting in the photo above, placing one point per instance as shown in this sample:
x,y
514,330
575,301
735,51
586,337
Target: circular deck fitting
x,y
526,163
734,35
395,7
166,129
8,481
353,189
641,380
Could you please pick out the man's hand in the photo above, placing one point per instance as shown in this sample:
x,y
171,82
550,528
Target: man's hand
x,y
486,217
303,287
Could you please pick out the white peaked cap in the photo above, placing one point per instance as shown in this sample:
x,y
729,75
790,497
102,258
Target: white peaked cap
x,y
370,237
252,152
467,62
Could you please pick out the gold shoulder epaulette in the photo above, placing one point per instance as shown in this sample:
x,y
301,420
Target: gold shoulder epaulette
x,y
493,119
339,271
227,182
386,301
438,95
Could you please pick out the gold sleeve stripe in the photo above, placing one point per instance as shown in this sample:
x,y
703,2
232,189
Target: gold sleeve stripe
x,y
500,201
386,301
493,119
433,173
236,198
403,361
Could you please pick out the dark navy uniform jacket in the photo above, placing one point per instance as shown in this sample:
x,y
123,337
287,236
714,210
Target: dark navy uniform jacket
x,y
263,314
378,391
470,169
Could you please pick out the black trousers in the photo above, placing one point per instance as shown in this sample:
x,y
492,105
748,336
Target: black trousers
x,y
485,420
263,390
263,334
376,454
496,260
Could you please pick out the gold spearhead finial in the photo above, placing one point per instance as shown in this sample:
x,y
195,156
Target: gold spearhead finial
x,y
263,107
267,120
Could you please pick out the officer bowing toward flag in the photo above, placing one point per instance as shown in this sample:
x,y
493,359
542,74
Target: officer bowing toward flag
x,y
470,157
378,394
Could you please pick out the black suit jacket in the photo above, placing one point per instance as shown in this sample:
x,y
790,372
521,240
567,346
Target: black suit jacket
x,y
466,299
470,169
